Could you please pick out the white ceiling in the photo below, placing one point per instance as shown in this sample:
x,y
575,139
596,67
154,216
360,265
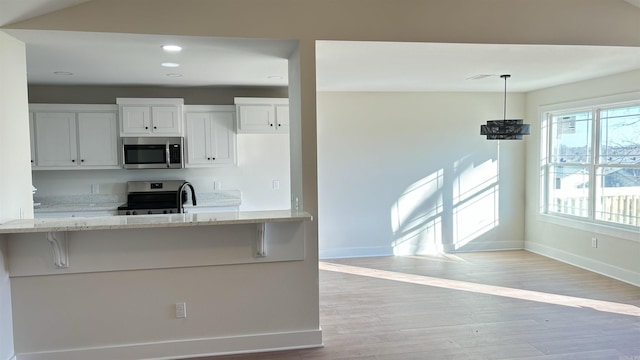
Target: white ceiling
x,y
382,66
132,59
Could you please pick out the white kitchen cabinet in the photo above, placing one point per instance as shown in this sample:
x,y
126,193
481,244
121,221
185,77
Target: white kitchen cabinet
x,y
97,139
262,115
32,140
150,117
211,137
282,116
74,137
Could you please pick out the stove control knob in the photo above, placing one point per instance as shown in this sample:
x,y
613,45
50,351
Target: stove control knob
x,y
170,211
128,212
165,212
149,212
134,213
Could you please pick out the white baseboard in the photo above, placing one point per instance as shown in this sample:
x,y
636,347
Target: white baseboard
x,y
496,245
354,252
187,348
601,268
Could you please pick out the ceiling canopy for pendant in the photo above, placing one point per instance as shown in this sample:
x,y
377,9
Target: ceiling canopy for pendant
x,y
506,129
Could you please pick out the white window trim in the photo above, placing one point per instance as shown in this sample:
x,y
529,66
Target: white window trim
x,y
589,225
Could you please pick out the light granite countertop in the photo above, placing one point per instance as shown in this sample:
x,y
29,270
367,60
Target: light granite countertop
x,y
151,221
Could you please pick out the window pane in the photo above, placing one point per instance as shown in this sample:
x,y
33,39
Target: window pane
x,y
620,135
571,138
618,195
569,190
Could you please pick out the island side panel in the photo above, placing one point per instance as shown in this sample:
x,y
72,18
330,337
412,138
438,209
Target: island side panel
x,y
259,304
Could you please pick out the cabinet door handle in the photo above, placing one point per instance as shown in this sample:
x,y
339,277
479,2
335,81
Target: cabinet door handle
x,y
213,158
168,154
270,124
279,124
82,160
74,160
155,127
146,128
208,158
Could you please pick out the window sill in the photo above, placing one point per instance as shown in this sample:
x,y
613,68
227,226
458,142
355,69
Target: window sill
x,y
626,232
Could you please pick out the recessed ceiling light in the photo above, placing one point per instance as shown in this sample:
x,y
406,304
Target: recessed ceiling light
x,y
63,73
171,48
174,75
170,64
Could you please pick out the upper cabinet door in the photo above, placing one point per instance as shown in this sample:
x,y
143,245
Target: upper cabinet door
x,y
165,120
97,136
198,138
282,118
32,138
56,139
136,120
256,118
223,138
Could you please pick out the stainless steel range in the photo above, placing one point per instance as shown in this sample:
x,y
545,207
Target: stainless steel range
x,y
156,197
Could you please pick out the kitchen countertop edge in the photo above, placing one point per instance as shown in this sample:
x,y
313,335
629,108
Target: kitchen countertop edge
x,y
151,221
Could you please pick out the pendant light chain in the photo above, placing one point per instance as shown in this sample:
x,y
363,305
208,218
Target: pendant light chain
x,y
505,77
505,97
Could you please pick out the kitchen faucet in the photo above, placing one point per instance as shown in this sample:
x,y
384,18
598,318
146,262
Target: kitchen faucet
x,y
180,200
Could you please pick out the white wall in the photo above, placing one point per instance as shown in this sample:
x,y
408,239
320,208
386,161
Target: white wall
x,y
618,252
15,172
261,159
409,173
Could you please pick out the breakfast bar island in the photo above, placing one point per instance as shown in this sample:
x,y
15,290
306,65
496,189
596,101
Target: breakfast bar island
x,y
162,286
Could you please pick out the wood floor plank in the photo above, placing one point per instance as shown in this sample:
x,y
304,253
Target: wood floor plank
x,y
473,306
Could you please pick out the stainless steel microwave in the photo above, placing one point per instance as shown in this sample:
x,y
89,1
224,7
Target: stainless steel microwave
x,y
153,152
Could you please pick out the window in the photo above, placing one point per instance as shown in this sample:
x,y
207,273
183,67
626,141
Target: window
x,y
590,166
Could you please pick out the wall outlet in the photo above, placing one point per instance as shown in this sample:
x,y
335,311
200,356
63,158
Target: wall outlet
x,y
594,242
275,184
181,310
216,185
95,188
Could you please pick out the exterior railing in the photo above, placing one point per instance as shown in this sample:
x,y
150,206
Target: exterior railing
x,y
619,206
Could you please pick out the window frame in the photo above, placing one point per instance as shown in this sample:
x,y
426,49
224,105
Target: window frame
x,y
545,144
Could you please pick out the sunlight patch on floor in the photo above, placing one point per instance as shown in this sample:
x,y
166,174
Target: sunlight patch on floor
x,y
607,306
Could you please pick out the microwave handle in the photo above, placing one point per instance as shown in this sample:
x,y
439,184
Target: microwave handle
x,y
168,157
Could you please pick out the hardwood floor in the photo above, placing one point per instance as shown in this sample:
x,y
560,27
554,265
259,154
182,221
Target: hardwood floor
x,y
490,305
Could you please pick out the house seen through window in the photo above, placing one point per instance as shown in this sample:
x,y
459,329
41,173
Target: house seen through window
x,y
590,165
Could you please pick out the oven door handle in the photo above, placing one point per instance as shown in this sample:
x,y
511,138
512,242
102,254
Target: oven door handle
x,y
168,157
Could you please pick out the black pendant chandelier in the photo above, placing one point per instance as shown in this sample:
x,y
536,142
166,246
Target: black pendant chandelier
x,y
506,129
